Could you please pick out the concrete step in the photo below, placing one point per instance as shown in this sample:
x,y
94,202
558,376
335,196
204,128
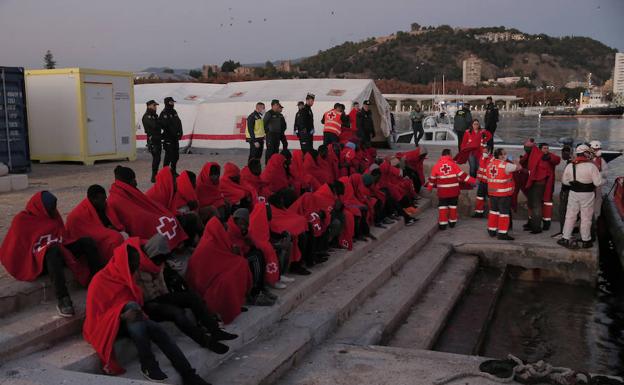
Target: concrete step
x,y
38,328
386,309
467,326
284,342
429,314
76,354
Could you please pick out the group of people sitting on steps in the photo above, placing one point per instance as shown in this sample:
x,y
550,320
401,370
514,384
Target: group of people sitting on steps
x,y
197,249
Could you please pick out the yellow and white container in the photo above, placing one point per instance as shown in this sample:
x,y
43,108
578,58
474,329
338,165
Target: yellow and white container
x,y
81,115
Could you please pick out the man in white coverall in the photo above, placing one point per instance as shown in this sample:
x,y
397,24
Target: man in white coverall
x,y
583,177
596,146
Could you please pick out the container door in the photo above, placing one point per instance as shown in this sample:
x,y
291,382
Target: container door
x,y
14,150
100,119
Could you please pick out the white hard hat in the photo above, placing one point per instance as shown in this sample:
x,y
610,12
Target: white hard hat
x,y
595,145
582,148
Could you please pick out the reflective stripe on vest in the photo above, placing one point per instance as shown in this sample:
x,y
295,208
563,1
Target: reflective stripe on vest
x,y
500,183
333,122
258,129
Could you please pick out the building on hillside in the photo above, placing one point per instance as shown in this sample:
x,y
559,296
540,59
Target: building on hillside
x,y
576,84
510,80
618,74
244,71
207,69
471,69
285,66
495,37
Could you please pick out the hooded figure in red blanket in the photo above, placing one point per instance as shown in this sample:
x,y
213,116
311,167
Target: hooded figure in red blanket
x,y
36,242
312,168
446,177
250,178
351,131
114,302
164,189
474,139
94,219
275,174
141,216
232,190
522,175
347,159
185,199
219,275
207,187
541,185
414,166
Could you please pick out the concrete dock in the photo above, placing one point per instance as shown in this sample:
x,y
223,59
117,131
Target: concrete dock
x,y
326,328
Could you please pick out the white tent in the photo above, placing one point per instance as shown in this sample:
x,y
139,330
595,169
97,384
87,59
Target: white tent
x,y
188,97
221,120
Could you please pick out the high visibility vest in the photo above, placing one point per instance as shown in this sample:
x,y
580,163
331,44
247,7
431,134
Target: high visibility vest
x,y
333,122
484,162
500,183
258,129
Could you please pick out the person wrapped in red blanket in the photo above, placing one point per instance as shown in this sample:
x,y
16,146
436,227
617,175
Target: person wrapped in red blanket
x,y
541,185
114,302
207,188
220,276
94,219
446,177
250,177
414,166
141,216
275,175
475,138
185,199
36,242
236,193
398,189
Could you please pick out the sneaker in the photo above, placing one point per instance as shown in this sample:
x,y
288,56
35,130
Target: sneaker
x,y
65,307
587,244
279,285
505,237
387,221
477,215
286,279
394,216
441,227
298,269
222,335
261,300
410,221
154,373
215,346
492,233
452,224
194,379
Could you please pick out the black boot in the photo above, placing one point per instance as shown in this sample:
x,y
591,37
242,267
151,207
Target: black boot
x,y
492,233
545,225
505,237
441,227
452,224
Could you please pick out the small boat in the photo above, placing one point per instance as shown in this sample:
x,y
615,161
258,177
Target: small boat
x,y
438,131
613,214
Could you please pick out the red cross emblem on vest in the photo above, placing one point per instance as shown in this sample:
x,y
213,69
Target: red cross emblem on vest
x,y
494,171
445,169
44,241
167,227
331,115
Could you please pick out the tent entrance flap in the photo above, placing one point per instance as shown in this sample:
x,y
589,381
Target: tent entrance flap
x,y
100,118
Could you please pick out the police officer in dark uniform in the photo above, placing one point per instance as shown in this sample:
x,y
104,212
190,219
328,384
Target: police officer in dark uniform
x,y
153,130
491,120
365,125
172,133
304,125
275,127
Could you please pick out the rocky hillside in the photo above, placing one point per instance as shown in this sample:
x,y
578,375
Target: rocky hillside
x,y
426,53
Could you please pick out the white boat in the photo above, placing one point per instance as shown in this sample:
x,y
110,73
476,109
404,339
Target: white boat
x,y
438,131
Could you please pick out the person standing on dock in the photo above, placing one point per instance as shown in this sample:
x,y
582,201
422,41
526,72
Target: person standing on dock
x,y
172,133
583,177
305,129
541,185
482,189
446,176
417,117
500,187
461,123
275,127
153,130
255,133
491,120
596,147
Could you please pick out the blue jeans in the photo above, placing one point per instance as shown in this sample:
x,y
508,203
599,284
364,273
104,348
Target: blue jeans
x,y
474,165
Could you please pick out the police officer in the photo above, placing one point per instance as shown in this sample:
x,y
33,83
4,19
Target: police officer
x,y
365,125
153,130
304,124
491,120
275,127
255,132
172,133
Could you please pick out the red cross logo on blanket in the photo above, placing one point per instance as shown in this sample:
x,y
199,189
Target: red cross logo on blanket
x,y
167,227
272,268
44,241
446,169
494,171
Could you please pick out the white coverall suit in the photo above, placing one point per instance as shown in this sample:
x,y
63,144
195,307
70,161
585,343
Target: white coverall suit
x,y
583,202
598,200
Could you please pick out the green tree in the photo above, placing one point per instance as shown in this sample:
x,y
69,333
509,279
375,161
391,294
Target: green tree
x,y
195,73
229,66
49,61
415,27
168,71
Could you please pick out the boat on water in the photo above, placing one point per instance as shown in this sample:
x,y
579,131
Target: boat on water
x,y
613,214
591,103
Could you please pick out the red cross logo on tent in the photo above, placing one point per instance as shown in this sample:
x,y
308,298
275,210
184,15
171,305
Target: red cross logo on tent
x,y
494,171
446,169
331,115
241,125
167,227
44,241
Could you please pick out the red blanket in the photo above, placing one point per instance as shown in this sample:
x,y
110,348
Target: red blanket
x,y
253,182
83,221
312,167
110,290
143,217
415,160
274,174
32,231
221,277
232,191
261,236
185,191
363,194
542,170
163,191
208,192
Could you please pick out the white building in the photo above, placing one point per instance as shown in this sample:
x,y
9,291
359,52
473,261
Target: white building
x,y
618,74
471,71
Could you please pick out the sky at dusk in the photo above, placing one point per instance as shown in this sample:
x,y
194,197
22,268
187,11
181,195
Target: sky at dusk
x,y
135,34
